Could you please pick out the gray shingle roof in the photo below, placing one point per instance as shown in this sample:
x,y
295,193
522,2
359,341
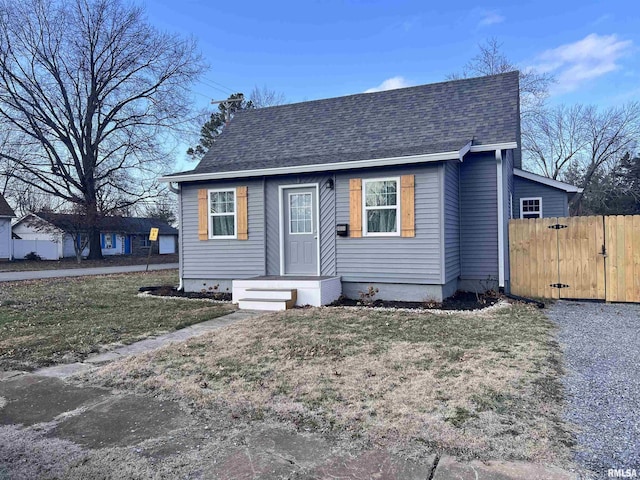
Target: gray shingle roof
x,y
131,225
435,118
5,209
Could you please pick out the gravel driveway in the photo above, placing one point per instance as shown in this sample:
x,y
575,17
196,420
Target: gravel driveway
x,y
601,345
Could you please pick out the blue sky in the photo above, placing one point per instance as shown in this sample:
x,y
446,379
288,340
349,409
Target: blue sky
x,y
325,48
308,50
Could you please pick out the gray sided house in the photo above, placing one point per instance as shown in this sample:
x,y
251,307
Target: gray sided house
x,y
408,191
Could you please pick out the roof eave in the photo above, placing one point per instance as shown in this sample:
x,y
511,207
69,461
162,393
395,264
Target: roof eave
x,y
550,182
325,167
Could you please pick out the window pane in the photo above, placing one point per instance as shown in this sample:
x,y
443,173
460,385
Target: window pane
x,y
381,193
381,221
222,202
223,225
300,214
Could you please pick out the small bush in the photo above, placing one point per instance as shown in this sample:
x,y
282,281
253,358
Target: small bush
x,y
366,298
33,256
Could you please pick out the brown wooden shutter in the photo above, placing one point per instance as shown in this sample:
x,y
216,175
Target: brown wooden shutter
x,y
243,216
355,207
203,214
407,206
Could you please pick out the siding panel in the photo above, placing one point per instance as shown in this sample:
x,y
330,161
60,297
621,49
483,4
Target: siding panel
x,y
554,201
479,217
451,220
223,259
393,259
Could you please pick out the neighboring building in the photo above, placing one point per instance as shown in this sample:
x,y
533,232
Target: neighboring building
x,y
120,235
409,191
536,196
6,214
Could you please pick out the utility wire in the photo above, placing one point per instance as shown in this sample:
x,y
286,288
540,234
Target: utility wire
x,y
231,90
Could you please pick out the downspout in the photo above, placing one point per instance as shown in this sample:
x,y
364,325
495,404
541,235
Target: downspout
x,y
500,192
178,191
10,240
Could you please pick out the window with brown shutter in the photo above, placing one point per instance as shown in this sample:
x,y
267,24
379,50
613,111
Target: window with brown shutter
x,y
223,214
374,211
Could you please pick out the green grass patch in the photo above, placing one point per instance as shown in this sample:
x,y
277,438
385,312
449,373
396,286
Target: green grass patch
x,y
43,322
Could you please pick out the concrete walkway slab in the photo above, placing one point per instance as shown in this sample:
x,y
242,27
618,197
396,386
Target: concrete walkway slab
x,y
29,399
121,421
377,463
81,272
450,469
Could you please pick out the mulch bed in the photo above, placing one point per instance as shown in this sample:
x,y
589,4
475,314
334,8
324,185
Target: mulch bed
x,y
171,291
459,301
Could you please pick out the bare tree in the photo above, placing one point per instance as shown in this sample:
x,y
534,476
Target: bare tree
x,y
95,87
556,137
584,138
262,97
534,87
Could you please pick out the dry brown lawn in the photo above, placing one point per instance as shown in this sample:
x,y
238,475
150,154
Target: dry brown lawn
x,y
477,385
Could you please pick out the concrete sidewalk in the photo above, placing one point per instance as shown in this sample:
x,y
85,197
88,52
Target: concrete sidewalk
x,y
81,272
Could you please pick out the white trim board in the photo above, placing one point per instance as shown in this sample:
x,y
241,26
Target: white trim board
x,y
326,167
281,189
550,182
397,207
524,199
211,215
500,195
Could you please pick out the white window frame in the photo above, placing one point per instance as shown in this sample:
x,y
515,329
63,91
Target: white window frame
x,y
365,209
522,200
110,240
290,194
211,214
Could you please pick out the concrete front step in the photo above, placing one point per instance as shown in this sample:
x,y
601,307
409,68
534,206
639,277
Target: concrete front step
x,y
265,304
272,293
272,299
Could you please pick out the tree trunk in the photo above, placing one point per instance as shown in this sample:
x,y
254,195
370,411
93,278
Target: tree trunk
x,y
95,245
93,224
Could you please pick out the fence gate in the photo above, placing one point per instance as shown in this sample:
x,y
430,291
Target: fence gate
x,y
576,257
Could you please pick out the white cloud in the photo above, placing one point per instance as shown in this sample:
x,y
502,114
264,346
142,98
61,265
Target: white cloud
x,y
601,19
575,63
389,84
489,17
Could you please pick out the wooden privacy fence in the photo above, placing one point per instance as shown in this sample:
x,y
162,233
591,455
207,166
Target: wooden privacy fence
x,y
594,257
